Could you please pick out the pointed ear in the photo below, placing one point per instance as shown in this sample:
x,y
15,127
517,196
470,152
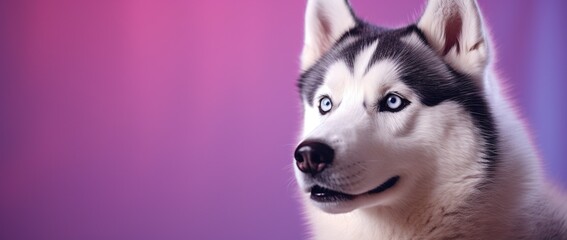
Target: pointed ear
x,y
325,22
455,29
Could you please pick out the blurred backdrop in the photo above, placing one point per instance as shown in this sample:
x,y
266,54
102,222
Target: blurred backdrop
x,y
176,119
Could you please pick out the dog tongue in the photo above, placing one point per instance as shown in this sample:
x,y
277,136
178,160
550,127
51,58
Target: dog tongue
x,y
321,194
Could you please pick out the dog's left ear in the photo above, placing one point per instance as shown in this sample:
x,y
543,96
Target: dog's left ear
x,y
455,29
325,22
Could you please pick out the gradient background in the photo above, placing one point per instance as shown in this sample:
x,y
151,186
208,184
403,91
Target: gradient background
x,y
176,119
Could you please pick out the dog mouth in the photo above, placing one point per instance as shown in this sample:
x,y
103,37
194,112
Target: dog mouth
x,y
321,194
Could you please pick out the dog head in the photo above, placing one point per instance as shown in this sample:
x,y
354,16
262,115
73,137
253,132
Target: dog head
x,y
387,112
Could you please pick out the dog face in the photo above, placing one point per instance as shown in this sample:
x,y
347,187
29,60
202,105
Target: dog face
x,y
386,111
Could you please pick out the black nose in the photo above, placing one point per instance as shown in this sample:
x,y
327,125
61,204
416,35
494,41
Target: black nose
x,y
312,156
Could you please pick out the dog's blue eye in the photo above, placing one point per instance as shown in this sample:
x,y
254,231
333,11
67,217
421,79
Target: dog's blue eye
x,y
392,103
325,105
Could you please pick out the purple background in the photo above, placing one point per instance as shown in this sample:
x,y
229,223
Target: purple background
x,y
176,119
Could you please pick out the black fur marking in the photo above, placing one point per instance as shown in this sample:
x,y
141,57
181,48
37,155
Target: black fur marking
x,y
419,33
454,213
350,10
421,69
432,229
343,50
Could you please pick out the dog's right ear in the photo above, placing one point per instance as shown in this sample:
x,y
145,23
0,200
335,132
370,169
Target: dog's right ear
x,y
325,22
456,31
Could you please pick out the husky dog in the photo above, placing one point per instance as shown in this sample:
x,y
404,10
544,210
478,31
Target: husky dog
x,y
408,135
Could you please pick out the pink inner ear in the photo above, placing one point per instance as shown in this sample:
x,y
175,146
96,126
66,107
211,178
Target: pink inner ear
x,y
453,28
325,33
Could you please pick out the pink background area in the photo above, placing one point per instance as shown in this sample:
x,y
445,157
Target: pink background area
x,y
177,119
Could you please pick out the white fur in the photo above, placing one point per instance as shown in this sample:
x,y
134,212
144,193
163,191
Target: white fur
x,y
472,54
325,22
433,149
